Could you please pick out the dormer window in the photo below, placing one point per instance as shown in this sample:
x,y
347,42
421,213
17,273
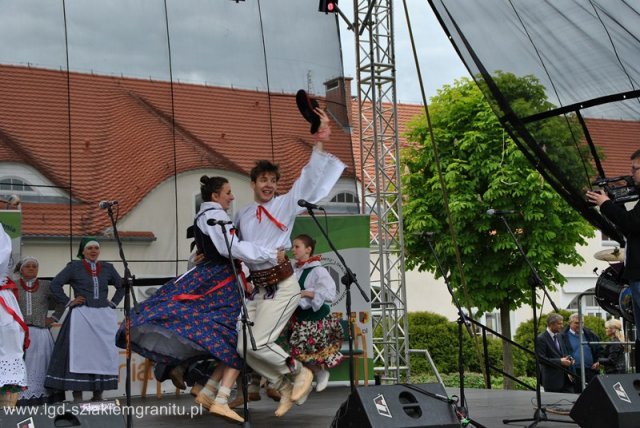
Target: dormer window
x,y
345,198
345,202
12,184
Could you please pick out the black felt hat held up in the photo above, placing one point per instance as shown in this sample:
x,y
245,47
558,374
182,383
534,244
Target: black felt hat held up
x,y
306,105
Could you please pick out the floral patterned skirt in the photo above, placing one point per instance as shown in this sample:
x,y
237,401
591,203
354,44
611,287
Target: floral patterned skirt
x,y
316,342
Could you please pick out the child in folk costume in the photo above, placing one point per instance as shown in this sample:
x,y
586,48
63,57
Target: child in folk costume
x,y
14,334
85,357
34,297
316,334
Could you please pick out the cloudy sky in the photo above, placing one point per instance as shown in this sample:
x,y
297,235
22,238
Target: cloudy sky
x,y
216,42
439,63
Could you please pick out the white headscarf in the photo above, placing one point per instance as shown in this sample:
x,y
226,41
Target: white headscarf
x,y
5,255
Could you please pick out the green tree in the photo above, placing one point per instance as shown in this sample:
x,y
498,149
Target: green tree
x,y
482,168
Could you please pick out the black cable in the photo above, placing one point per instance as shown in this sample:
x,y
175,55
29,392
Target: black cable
x,y
68,77
266,72
173,133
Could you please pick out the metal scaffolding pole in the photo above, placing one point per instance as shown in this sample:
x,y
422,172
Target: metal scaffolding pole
x,y
382,199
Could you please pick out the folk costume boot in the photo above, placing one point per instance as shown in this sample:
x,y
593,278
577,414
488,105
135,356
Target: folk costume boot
x,y
322,379
97,396
286,403
272,392
195,389
637,352
177,376
254,394
302,384
77,396
8,399
208,393
220,406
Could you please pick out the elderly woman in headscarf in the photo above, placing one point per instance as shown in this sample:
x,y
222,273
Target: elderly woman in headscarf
x,y
85,357
14,337
34,298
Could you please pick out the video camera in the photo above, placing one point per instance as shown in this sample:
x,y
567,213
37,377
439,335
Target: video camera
x,y
619,189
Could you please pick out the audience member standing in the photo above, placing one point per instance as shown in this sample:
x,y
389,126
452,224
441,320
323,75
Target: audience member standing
x,y
613,358
591,352
552,355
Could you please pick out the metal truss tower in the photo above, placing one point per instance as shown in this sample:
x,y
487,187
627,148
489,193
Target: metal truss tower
x,y
380,166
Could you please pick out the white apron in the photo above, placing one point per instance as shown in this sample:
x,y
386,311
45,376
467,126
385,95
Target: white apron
x,y
92,341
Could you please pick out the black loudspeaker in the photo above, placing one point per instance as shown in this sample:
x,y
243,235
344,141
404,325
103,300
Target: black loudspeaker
x,y
611,401
396,406
65,415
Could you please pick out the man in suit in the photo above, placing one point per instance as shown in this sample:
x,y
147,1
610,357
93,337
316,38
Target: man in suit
x,y
551,355
627,221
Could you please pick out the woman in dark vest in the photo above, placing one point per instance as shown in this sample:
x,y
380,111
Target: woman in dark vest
x,y
85,357
34,298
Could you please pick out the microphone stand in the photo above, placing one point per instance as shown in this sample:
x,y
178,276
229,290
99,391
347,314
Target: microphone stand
x,y
347,279
462,320
540,414
128,294
246,327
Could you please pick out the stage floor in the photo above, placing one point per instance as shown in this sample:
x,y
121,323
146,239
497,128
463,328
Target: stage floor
x,y
486,407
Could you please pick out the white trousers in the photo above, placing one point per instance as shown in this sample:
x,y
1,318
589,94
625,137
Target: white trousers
x,y
270,316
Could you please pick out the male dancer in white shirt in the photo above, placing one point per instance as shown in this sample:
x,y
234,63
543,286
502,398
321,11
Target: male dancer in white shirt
x,y
268,222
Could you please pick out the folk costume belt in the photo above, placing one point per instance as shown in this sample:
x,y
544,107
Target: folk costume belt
x,y
272,276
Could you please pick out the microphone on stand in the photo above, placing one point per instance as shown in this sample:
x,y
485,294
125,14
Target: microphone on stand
x,y
214,222
309,205
491,211
103,205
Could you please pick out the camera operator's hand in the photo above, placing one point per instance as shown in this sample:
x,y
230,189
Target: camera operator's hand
x,y
597,198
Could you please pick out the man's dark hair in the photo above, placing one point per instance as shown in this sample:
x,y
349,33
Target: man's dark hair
x,y
263,166
635,155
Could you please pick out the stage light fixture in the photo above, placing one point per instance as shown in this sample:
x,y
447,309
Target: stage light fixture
x,y
328,6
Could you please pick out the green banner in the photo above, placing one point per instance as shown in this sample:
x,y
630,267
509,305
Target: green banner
x,y
345,231
350,236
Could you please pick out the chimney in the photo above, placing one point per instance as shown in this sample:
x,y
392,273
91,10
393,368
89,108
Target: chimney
x,y
338,96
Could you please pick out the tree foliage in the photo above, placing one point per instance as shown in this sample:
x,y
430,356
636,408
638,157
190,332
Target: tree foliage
x,y
440,337
483,169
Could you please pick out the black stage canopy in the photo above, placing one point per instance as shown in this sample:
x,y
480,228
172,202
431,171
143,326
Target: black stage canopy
x,y
586,55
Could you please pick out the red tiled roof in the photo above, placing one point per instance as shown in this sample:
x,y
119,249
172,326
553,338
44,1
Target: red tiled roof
x,y
617,139
122,139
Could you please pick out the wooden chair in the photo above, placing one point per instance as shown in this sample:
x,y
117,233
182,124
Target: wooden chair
x,y
359,351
